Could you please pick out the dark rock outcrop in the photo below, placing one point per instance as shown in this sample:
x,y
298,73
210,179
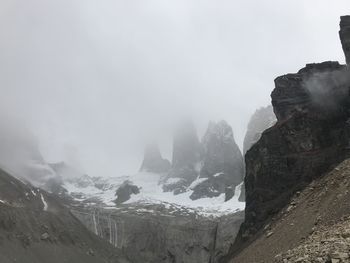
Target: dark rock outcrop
x,y
222,162
186,158
344,34
125,191
153,161
262,119
311,135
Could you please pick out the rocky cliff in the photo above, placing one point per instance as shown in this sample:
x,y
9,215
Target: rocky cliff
x,y
312,227
344,34
222,162
186,160
157,233
153,161
310,137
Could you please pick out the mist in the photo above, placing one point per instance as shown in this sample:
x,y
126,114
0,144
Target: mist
x,y
95,81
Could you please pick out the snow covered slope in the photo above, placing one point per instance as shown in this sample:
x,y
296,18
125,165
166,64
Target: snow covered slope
x,y
101,191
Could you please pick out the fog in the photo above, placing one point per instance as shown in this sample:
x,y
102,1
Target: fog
x,y
96,80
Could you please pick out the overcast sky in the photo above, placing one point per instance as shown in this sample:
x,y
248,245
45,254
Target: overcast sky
x,y
95,80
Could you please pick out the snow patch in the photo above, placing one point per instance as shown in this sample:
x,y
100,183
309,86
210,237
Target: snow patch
x,y
151,192
173,180
197,182
44,202
218,174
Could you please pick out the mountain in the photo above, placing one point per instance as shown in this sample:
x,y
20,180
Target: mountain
x,y
20,155
261,120
222,162
186,160
153,161
36,227
310,138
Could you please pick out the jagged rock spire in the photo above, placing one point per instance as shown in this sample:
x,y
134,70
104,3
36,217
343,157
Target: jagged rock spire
x,y
222,162
344,34
153,161
186,147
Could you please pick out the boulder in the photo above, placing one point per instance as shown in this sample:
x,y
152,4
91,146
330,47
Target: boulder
x,y
125,191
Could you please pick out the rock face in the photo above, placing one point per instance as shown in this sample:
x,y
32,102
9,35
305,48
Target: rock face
x,y
313,227
222,162
153,161
125,191
344,34
186,158
261,120
155,234
311,135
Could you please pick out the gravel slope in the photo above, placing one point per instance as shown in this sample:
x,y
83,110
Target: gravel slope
x,y
297,233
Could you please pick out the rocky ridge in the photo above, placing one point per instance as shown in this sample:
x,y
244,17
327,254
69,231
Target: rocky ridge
x,y
311,136
36,227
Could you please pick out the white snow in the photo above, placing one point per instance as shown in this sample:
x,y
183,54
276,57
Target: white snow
x,y
217,174
197,182
151,192
216,206
44,202
173,180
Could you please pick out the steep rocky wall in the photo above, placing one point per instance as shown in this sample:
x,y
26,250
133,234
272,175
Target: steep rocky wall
x,y
311,136
147,235
344,34
222,162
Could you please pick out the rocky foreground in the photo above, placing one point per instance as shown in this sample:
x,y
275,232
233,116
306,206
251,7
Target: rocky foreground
x,y
313,227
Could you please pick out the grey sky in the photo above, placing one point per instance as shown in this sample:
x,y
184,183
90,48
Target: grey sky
x,y
96,79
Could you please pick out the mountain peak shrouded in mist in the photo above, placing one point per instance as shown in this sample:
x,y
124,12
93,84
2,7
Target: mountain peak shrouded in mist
x,y
186,146
221,153
153,161
262,119
222,165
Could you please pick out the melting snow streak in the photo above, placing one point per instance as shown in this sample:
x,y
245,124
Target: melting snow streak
x,y
44,202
